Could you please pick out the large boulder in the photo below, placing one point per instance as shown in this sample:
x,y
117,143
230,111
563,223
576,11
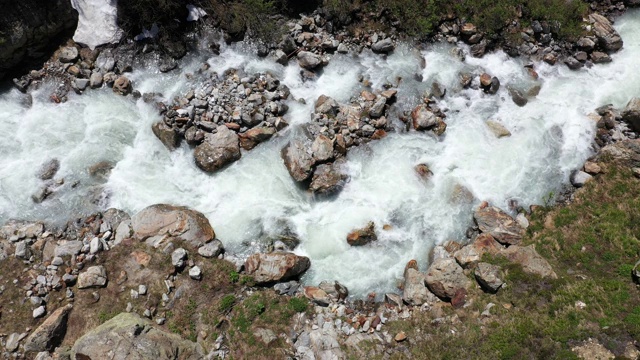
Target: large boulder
x,y
218,150
489,277
97,22
50,333
445,278
414,290
166,135
530,260
276,267
128,336
309,60
156,222
383,46
327,180
631,114
607,36
298,159
499,224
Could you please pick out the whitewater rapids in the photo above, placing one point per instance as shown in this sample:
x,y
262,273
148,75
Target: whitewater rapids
x,y
255,197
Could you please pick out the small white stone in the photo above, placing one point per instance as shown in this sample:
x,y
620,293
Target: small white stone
x,y
195,273
142,289
39,312
134,294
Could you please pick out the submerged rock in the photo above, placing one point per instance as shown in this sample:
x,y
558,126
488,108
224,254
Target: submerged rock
x,y
49,169
362,236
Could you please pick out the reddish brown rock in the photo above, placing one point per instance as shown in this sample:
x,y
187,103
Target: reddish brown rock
x,y
362,236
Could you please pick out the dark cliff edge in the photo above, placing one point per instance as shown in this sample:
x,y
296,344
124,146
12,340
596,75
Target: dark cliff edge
x,y
30,30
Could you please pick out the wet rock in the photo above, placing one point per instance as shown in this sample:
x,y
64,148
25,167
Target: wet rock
x,y
499,224
95,276
472,253
631,114
327,180
530,260
423,118
326,105
49,169
489,277
607,36
362,236
298,160
498,129
211,249
218,150
122,86
518,97
309,60
423,171
96,79
383,46
573,63
169,138
322,148
50,333
156,222
252,137
129,336
276,267
600,58
445,277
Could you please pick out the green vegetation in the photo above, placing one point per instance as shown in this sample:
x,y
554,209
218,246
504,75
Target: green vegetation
x,y
298,304
592,244
421,18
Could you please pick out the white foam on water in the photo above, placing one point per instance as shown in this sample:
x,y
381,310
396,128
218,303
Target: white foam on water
x,y
252,198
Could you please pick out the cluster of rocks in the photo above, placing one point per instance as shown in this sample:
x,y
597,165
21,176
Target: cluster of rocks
x,y
312,39
79,69
447,277
594,48
315,156
225,113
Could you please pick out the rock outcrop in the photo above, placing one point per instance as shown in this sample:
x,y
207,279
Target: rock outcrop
x,y
128,336
157,222
30,28
50,333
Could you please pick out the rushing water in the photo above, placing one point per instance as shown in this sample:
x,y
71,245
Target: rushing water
x,y
255,197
